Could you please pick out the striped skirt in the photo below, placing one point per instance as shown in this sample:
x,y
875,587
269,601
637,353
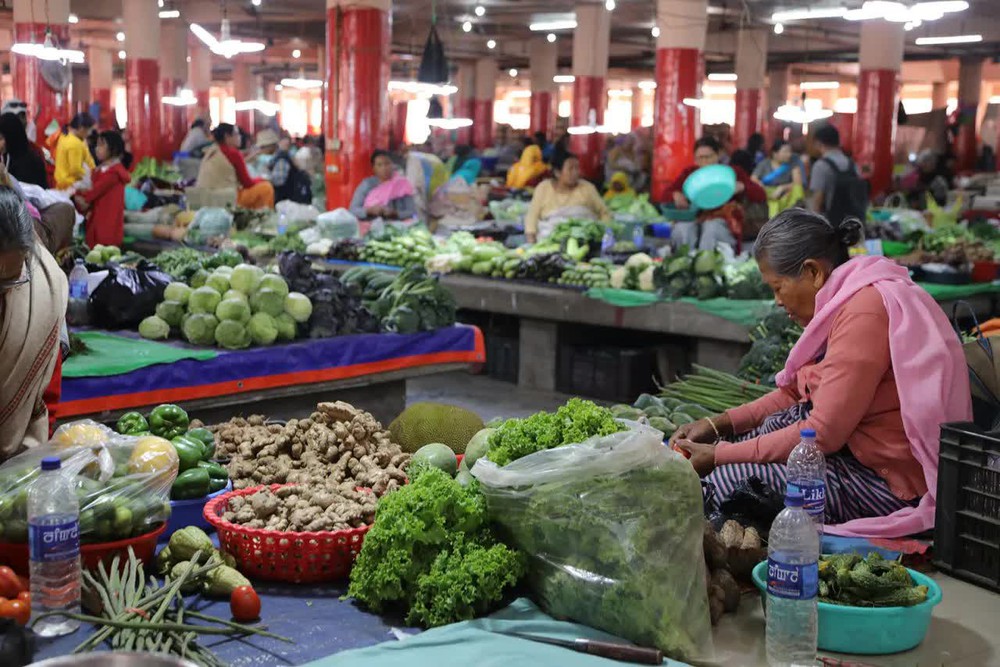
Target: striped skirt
x,y
853,491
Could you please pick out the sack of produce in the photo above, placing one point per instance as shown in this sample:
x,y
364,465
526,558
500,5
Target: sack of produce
x,y
127,296
122,482
613,530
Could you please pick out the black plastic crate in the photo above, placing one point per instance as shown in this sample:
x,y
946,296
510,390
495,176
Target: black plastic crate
x,y
502,357
609,373
967,524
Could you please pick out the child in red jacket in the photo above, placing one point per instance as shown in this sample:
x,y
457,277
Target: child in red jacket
x,y
104,202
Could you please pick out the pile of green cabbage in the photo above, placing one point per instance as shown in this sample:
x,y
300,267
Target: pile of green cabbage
x,y
232,307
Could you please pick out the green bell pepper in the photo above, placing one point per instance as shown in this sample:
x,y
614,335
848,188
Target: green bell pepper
x,y
205,437
189,451
131,423
190,484
218,475
168,421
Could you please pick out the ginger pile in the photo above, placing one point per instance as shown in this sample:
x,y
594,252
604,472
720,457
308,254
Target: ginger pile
x,y
340,460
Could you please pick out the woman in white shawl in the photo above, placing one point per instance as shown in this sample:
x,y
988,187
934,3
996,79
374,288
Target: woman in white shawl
x,y
33,298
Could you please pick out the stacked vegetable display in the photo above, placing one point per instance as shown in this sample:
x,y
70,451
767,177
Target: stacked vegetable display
x,y
230,307
198,474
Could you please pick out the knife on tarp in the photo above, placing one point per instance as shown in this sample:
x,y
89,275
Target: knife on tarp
x,y
622,652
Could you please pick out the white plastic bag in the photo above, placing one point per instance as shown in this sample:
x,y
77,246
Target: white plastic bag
x,y
613,527
296,212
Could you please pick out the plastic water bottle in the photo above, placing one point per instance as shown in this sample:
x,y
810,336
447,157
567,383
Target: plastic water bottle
x,y
792,586
639,236
54,546
608,241
79,292
807,475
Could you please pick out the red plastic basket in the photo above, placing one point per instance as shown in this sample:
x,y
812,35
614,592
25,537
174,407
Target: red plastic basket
x,y
298,558
15,554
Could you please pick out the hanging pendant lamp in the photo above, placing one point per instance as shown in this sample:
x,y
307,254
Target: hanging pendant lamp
x,y
434,63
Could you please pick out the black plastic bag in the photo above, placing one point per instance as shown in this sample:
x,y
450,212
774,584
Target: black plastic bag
x,y
127,296
17,644
751,503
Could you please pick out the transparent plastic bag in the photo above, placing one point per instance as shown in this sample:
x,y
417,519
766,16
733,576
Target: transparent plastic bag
x,y
122,482
613,527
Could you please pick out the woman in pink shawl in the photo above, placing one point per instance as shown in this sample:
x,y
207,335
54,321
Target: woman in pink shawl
x,y
386,194
876,371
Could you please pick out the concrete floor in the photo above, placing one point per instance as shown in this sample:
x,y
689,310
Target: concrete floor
x,y
965,628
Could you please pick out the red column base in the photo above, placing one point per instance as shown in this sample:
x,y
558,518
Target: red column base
x,y
142,94
464,108
875,127
679,74
748,115
482,124
965,143
588,95
44,103
541,112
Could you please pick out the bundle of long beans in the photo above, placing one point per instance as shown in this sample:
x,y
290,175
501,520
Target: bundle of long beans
x,y
713,390
146,617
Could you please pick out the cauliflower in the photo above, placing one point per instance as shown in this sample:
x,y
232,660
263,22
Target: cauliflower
x,y
646,283
639,261
618,276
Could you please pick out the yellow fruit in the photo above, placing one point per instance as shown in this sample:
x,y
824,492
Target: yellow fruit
x,y
81,434
154,455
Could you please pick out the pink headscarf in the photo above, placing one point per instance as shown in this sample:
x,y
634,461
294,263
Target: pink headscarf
x,y
383,193
931,374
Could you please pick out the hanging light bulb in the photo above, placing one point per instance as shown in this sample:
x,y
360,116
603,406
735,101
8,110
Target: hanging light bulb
x,y
513,73
480,10
255,3
73,18
467,26
296,53
551,37
610,5
655,32
778,28
121,55
120,37
491,44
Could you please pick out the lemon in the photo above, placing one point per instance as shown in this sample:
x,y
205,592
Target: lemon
x,y
154,455
81,434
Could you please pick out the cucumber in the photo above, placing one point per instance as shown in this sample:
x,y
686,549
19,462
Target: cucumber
x,y
694,410
671,403
680,418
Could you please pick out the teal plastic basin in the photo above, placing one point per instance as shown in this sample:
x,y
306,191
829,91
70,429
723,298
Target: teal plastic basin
x,y
710,187
868,630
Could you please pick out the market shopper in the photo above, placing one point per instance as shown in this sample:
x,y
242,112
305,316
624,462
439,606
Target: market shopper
x,y
876,371
33,294
562,197
290,183
224,167
385,194
73,159
104,201
21,161
721,225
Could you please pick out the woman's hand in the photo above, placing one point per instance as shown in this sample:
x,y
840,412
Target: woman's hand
x,y
530,237
702,456
680,201
698,431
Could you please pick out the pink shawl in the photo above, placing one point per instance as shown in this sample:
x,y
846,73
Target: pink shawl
x,y
927,359
383,193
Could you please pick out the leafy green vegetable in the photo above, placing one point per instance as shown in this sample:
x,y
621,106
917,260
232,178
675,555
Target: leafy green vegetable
x,y
430,551
154,328
772,340
872,581
571,423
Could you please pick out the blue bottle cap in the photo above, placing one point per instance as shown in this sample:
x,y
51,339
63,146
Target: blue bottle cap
x,y
794,499
807,433
51,463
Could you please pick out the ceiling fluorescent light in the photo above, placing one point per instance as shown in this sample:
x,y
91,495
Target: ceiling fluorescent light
x,y
846,105
302,84
805,14
819,85
563,78
647,85
226,46
73,18
953,39
183,98
722,77
417,88
449,123
552,26
170,13
263,106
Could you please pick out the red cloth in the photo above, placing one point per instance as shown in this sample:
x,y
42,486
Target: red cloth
x,y
106,196
752,191
53,392
239,164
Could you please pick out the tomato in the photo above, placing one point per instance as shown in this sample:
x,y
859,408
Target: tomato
x,y
19,610
10,584
244,604
25,596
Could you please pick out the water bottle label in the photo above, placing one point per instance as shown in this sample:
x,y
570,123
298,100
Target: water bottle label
x,y
54,542
78,290
813,497
794,582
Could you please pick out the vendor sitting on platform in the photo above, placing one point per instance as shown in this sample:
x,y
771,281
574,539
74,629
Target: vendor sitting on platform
x,y
722,225
782,175
224,167
529,170
875,373
386,194
33,290
562,197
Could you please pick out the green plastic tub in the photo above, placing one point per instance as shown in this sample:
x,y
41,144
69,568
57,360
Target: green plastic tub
x,y
868,630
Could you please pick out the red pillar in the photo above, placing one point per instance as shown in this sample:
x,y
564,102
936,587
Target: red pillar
x,y
243,91
142,76
99,62
748,115
44,103
482,106
465,101
636,108
777,94
358,41
591,42
544,63
844,122
970,75
680,71
200,78
875,123
751,66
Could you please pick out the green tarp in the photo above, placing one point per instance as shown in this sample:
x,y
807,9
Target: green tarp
x,y
115,355
478,643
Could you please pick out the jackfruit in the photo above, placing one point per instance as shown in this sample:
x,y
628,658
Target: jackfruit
x,y
423,423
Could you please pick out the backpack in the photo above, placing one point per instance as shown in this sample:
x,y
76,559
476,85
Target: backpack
x,y
850,194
